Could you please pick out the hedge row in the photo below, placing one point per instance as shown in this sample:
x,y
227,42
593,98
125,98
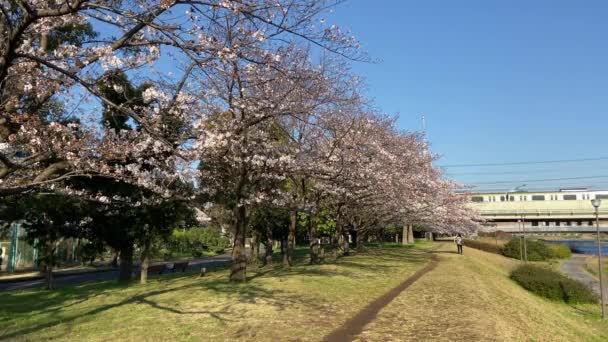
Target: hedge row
x,y
484,246
536,250
553,285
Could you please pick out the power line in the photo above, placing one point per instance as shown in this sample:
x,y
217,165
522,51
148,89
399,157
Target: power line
x,y
525,163
520,172
540,180
594,187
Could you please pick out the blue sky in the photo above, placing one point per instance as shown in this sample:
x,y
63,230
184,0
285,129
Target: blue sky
x,y
499,81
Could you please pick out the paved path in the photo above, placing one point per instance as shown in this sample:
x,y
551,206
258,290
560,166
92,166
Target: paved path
x,y
211,262
575,269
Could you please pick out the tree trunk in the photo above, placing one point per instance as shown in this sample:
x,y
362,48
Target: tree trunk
x,y
345,243
48,277
284,252
49,256
114,262
361,237
255,248
291,238
126,263
342,239
238,271
410,233
314,239
145,262
268,254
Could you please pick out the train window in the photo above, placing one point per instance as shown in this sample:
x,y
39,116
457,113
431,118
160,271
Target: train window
x,y
477,199
502,198
511,198
538,197
569,197
557,223
603,196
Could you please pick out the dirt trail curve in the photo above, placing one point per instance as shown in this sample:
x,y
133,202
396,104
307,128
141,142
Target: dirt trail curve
x,y
353,327
575,269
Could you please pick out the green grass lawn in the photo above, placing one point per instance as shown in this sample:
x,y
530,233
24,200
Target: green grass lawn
x,y
472,298
466,297
304,303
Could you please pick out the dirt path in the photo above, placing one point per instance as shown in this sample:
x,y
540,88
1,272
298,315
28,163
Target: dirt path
x,y
353,327
575,269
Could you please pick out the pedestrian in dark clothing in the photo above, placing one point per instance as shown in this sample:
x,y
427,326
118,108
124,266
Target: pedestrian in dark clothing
x,y
459,242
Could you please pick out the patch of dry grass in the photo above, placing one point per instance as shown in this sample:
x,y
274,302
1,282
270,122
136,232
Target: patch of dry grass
x,y
591,265
471,297
304,303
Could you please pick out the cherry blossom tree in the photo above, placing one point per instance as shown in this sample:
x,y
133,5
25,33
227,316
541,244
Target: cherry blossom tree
x,y
238,104
41,61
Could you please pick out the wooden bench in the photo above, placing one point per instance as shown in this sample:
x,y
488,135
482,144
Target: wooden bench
x,y
182,265
157,268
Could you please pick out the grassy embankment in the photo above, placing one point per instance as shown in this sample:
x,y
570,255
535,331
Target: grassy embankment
x,y
471,298
306,302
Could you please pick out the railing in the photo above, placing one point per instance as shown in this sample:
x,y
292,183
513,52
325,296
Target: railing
x,y
543,212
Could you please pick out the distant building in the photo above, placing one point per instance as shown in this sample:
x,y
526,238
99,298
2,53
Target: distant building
x,y
564,210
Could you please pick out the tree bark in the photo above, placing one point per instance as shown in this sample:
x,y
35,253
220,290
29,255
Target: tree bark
x,y
48,277
341,238
145,262
268,254
314,239
361,237
255,248
284,252
114,262
238,272
291,238
345,243
410,233
126,263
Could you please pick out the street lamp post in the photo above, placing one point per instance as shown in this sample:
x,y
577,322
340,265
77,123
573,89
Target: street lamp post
x,y
523,229
596,204
523,257
521,250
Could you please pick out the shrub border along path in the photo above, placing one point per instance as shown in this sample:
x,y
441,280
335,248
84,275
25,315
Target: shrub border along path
x,y
354,326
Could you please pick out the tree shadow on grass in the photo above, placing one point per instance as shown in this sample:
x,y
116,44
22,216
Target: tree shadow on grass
x,y
443,252
45,302
235,293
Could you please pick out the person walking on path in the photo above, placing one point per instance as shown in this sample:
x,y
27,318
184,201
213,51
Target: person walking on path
x,y
459,242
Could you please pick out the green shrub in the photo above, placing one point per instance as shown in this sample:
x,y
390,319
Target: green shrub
x,y
484,246
197,240
560,251
553,285
537,250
